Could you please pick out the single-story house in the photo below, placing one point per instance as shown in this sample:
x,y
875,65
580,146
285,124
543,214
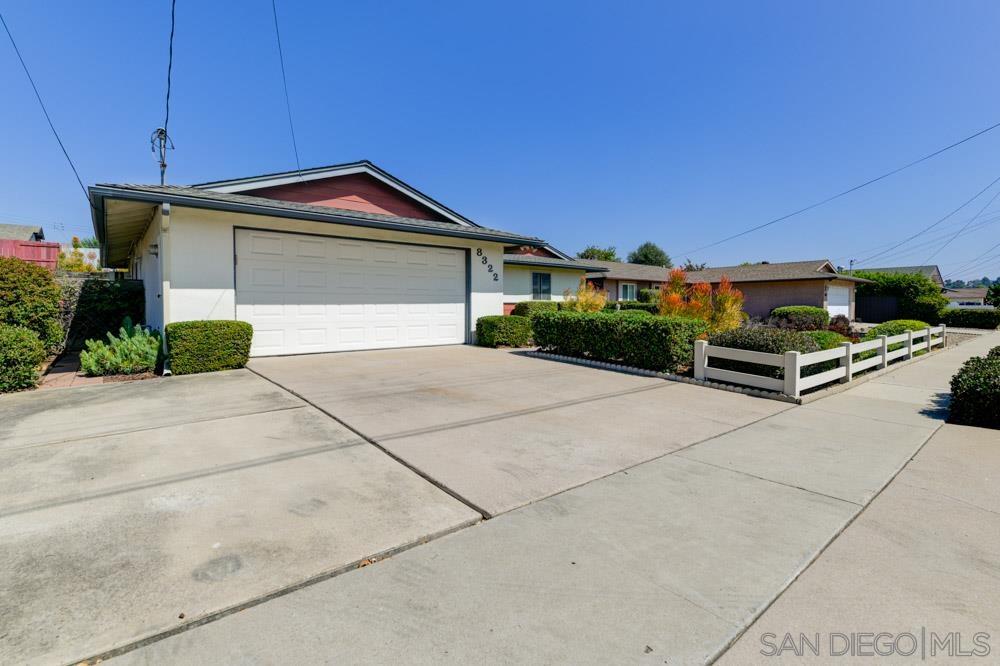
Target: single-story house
x,y
22,232
624,281
328,259
540,274
966,298
771,285
932,272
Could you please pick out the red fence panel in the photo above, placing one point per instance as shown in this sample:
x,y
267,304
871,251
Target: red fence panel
x,y
42,253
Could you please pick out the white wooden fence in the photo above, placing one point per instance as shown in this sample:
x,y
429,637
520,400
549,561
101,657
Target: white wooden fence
x,y
794,362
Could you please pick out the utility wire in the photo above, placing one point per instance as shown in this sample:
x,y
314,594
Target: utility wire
x,y
44,110
931,226
966,226
170,62
844,193
284,83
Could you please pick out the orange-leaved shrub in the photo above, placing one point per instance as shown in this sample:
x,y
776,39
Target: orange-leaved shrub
x,y
722,310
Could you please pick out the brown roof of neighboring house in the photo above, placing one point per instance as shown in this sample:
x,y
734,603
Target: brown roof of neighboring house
x,y
617,270
25,232
973,292
553,262
817,269
931,271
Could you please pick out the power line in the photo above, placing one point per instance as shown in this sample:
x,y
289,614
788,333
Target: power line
x,y
44,110
170,62
284,83
931,226
966,226
160,141
844,193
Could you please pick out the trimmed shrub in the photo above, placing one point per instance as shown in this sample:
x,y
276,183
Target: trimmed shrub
x,y
529,308
895,327
975,393
919,297
763,339
649,295
208,345
971,318
616,306
503,331
653,343
135,350
994,353
800,317
21,352
827,339
29,297
93,308
841,324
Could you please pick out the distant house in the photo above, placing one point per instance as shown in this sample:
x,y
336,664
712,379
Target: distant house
x,y
769,286
623,281
21,232
540,274
966,298
932,271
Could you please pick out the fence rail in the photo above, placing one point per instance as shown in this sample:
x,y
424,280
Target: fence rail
x,y
792,363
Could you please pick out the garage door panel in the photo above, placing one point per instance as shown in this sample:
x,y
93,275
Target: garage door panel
x,y
314,294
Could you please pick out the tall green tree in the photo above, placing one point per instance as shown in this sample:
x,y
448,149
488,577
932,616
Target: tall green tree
x,y
596,253
650,254
993,294
691,267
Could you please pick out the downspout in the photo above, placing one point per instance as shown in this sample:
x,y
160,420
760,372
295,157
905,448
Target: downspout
x,y
164,259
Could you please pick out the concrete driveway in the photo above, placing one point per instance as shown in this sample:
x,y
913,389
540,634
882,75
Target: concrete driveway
x,y
128,510
501,429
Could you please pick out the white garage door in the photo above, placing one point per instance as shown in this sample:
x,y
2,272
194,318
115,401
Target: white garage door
x,y
838,301
306,294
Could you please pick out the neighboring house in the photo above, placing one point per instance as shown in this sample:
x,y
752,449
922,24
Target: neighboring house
x,y
966,298
624,281
328,259
540,274
22,232
28,242
933,272
769,286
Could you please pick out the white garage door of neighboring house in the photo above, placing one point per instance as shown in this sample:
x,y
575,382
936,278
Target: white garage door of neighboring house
x,y
306,293
838,301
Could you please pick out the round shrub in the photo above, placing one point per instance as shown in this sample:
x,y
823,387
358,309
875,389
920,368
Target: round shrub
x,y
763,339
29,297
503,331
827,339
800,317
994,353
841,324
975,393
895,327
649,295
528,308
208,345
21,352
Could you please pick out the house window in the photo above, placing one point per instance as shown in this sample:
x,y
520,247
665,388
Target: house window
x,y
541,287
627,291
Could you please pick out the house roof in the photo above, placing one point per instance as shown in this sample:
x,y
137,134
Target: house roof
x,y
551,262
816,269
197,197
969,292
236,185
931,271
21,232
617,270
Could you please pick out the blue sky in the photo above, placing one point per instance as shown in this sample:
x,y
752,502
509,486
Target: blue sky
x,y
580,122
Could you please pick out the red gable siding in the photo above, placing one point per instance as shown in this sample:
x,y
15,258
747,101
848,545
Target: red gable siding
x,y
533,251
358,192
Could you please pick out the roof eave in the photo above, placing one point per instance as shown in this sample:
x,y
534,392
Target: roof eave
x,y
568,264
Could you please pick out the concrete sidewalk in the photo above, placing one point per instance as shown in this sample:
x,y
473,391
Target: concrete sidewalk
x,y
667,561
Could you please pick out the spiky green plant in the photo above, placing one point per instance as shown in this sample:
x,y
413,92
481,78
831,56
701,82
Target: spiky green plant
x,y
135,350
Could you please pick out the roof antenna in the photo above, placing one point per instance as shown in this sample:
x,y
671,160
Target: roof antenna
x,y
159,140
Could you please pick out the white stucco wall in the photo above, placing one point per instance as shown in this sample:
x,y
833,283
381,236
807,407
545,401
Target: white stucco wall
x,y
201,252
517,281
149,272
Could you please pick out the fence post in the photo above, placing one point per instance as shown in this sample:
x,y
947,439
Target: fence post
x,y
847,362
884,351
944,336
699,358
928,342
792,373
909,344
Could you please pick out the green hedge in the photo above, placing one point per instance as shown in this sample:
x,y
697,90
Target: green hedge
x,y
29,297
975,393
918,296
763,339
800,317
895,327
653,343
994,353
503,331
971,318
615,306
528,308
93,308
207,346
21,352
649,295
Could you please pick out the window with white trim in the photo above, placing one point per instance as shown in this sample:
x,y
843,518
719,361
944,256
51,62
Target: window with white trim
x,y
541,287
627,291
